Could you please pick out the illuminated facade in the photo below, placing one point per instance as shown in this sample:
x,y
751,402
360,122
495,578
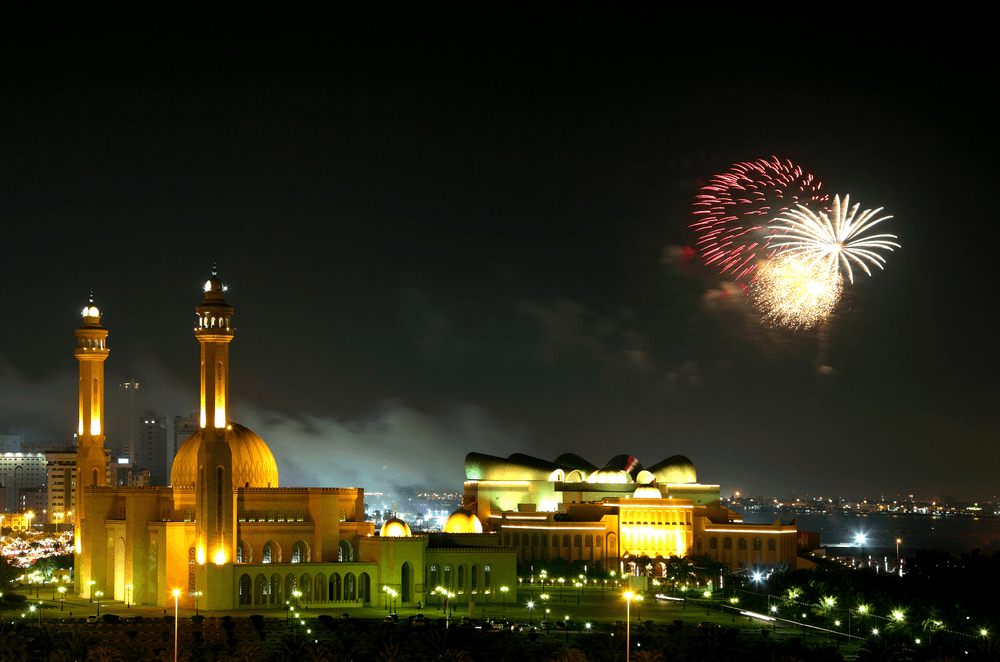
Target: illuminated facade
x,y
573,510
226,534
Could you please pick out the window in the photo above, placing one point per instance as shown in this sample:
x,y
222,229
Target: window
x,y
743,544
713,543
756,544
727,543
577,540
771,545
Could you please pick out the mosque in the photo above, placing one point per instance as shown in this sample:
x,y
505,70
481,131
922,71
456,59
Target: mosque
x,y
228,536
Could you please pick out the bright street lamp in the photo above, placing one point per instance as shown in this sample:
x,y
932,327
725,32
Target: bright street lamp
x,y
91,591
99,595
530,605
62,596
128,589
628,618
503,605
197,596
177,593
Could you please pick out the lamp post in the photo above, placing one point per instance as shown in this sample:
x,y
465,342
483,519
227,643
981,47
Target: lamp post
x,y
503,593
561,580
99,594
177,593
128,589
197,597
90,590
638,606
531,605
32,610
62,597
628,615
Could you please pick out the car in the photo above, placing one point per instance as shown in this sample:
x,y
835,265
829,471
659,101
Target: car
x,y
545,625
419,621
708,624
91,619
518,627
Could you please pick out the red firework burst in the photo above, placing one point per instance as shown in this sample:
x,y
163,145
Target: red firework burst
x,y
733,210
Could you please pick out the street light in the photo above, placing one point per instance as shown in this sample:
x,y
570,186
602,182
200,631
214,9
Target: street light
x,y
90,590
503,593
128,589
177,593
62,597
561,580
530,605
197,596
628,617
99,594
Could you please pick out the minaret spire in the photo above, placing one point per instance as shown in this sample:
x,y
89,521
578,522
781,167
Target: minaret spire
x,y
91,465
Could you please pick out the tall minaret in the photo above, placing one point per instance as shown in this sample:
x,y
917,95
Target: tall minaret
x,y
91,466
215,512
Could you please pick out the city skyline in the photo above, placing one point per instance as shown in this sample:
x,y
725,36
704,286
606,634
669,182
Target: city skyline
x,y
439,246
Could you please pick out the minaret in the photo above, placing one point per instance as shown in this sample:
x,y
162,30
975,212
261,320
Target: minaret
x,y
91,466
215,512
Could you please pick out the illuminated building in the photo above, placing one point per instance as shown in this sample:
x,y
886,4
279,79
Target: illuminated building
x,y
150,450
227,530
573,510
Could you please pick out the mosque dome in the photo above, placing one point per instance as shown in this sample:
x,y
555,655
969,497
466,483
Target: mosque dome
x,y
253,462
646,492
395,528
676,469
645,477
462,521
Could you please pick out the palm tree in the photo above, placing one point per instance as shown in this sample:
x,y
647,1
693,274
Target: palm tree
x,y
103,653
247,653
132,653
12,642
78,644
878,651
291,648
566,654
714,645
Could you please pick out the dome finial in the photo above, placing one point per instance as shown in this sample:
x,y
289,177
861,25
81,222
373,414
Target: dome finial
x,y
215,271
92,296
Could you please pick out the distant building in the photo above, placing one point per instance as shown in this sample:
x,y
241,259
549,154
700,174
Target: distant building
x,y
11,443
33,500
151,447
123,421
20,471
61,470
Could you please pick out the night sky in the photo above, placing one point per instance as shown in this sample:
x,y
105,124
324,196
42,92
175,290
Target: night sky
x,y
459,241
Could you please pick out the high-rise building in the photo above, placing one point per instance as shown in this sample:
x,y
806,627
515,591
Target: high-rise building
x,y
62,484
150,449
123,421
184,427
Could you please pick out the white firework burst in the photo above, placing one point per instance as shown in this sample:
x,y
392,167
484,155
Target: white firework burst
x,y
836,238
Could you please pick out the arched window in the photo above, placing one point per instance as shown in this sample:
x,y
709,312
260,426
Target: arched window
x,y
588,541
534,540
756,544
743,544
506,540
697,545
486,579
713,543
771,546
517,540
600,542
727,543
566,540
447,577
577,540
191,571
474,578
461,578
555,541
545,540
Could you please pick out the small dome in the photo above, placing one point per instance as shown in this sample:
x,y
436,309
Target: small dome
x,y
395,528
462,521
646,492
253,462
645,477
610,476
213,284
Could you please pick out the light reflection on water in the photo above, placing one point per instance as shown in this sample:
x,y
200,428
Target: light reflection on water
x,y
953,534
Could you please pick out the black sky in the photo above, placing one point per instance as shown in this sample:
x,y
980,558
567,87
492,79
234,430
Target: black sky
x,y
437,244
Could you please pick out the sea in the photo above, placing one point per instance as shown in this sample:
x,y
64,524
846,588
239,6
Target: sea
x,y
951,533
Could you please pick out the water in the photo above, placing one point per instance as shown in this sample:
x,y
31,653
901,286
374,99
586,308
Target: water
x,y
954,534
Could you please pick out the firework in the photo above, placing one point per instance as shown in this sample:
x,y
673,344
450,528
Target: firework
x,y
835,240
734,211
796,292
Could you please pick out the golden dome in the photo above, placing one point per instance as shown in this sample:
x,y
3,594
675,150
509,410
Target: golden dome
x,y
676,469
462,521
253,463
646,492
395,528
